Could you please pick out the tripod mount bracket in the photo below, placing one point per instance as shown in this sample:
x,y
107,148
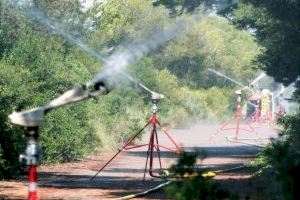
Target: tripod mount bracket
x,y
32,152
239,96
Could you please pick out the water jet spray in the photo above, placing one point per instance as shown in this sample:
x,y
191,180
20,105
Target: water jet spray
x,y
36,14
33,119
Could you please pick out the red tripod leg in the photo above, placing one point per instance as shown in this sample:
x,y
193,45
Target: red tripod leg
x,y
222,128
120,150
148,153
151,144
178,149
157,149
237,127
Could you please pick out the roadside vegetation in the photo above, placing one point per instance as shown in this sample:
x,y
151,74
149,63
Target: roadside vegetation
x,y
194,183
277,30
37,65
275,25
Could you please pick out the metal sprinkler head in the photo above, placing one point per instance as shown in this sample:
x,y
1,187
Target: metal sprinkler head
x,y
29,118
35,117
238,92
156,96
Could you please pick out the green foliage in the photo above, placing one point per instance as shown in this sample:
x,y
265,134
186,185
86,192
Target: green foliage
x,y
10,144
117,117
283,155
70,140
197,187
36,66
212,43
276,27
122,21
10,23
178,7
38,69
211,104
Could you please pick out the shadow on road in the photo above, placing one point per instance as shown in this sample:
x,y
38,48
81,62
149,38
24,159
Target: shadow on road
x,y
211,151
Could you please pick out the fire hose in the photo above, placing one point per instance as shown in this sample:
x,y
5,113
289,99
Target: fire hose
x,y
179,178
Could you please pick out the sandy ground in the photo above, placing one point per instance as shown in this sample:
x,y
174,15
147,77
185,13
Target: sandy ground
x,y
124,175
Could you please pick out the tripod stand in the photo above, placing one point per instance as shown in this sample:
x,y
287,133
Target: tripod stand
x,y
153,142
255,117
237,118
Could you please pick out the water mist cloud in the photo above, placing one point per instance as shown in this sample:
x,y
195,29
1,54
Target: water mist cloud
x,y
125,54
128,54
27,8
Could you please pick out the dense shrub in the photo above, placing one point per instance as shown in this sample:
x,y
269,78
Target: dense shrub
x,y
66,135
196,186
36,71
282,157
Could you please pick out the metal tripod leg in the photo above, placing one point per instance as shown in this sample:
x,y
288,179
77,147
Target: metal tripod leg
x,y
178,149
237,130
151,154
151,145
120,150
148,152
157,149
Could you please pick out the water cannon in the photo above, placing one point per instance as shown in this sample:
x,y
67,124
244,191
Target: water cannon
x,y
253,86
238,92
239,97
155,96
34,117
254,82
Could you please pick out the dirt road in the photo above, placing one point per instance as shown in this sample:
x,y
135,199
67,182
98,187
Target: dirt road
x,y
71,181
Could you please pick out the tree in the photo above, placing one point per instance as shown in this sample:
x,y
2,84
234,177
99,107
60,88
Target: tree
x,y
178,7
34,70
276,26
10,24
120,22
211,43
37,64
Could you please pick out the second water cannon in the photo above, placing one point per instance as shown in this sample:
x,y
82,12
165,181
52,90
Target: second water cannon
x,y
156,96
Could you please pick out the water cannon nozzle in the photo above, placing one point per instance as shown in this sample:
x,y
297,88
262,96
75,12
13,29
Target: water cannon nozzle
x,y
96,88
